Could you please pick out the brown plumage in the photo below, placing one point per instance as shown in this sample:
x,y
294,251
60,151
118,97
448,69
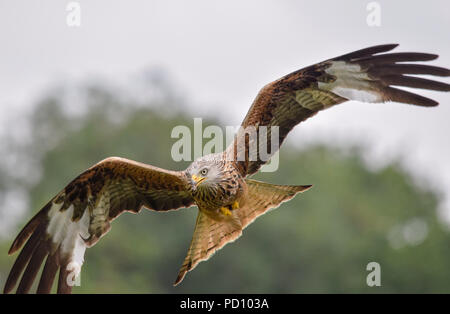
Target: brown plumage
x,y
300,95
78,216
211,235
104,191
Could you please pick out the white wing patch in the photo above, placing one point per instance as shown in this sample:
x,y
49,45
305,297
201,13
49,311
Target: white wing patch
x,y
68,235
351,83
355,94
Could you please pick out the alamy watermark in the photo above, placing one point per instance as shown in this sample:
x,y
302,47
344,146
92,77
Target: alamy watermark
x,y
373,279
74,274
251,143
374,17
73,18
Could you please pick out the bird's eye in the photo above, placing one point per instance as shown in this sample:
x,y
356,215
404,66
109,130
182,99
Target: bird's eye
x,y
204,171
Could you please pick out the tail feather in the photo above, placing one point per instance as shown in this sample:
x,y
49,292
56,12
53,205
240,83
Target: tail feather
x,y
263,197
211,235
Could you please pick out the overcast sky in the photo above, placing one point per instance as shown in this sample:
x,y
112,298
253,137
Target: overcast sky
x,y
221,52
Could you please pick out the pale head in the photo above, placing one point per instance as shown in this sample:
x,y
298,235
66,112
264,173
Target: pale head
x,y
206,172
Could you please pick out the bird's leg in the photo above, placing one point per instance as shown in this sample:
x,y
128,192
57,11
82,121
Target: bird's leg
x,y
226,210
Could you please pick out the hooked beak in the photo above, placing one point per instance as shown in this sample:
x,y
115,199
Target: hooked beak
x,y
197,179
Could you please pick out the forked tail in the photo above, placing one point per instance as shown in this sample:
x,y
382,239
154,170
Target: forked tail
x,y
210,235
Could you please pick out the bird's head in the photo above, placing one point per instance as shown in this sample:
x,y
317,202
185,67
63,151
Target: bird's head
x,y
206,172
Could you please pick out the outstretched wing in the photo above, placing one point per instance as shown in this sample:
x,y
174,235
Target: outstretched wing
x,y
364,75
210,235
81,214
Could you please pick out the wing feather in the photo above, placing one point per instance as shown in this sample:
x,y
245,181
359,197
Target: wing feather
x,y
365,75
48,274
81,214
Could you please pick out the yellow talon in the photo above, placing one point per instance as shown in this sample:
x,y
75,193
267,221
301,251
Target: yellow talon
x,y
235,205
225,211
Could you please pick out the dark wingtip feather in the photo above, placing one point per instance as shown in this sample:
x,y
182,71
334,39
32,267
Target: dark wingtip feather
x,y
48,274
33,268
29,228
23,259
304,188
179,278
23,235
415,82
401,68
402,96
389,69
63,287
390,58
369,51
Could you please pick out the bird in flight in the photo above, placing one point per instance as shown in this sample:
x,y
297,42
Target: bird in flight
x,y
218,184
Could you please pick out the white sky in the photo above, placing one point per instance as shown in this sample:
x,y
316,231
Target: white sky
x,y
222,52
